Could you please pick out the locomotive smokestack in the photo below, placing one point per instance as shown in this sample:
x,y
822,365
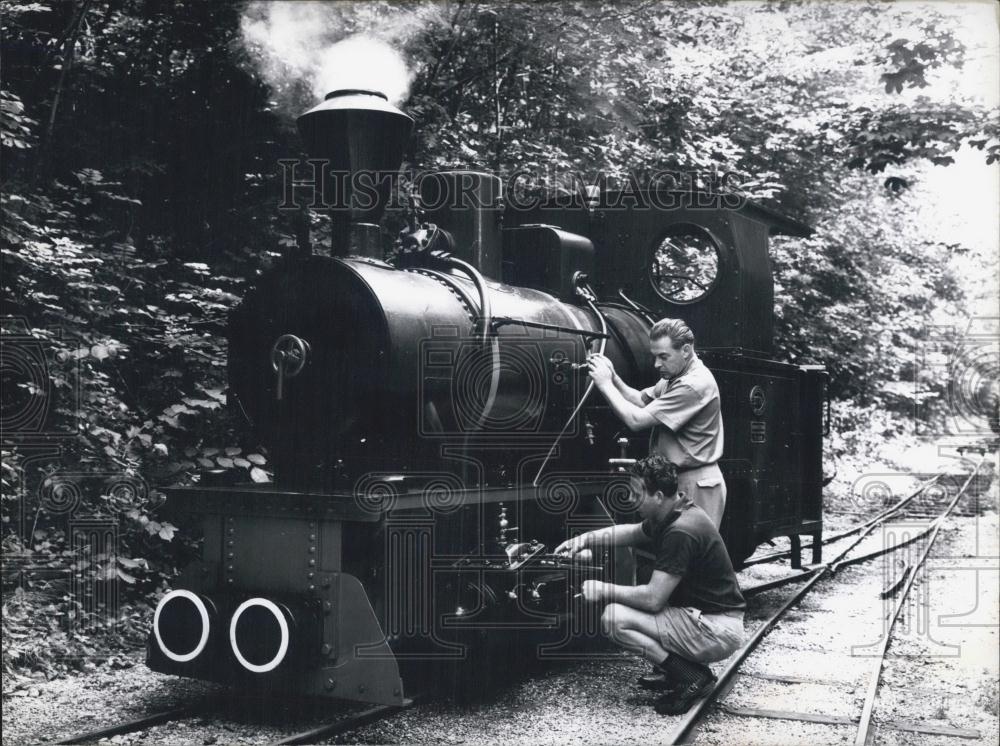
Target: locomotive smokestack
x,y
362,137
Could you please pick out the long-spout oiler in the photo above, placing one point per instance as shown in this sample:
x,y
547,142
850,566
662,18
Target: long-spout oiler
x,y
362,138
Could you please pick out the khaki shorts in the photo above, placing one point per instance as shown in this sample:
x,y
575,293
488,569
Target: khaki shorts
x,y
706,488
697,636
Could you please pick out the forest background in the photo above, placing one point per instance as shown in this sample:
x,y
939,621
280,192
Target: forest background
x,y
140,198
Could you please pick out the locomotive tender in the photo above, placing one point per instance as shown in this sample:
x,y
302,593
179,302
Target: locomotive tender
x,y
431,429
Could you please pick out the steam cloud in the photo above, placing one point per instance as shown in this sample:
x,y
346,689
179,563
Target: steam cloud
x,y
327,46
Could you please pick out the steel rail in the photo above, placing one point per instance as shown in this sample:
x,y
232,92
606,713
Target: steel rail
x,y
916,537
770,585
891,510
157,718
864,725
371,715
893,588
698,711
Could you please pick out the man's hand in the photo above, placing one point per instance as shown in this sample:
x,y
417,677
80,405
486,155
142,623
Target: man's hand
x,y
593,590
572,546
601,370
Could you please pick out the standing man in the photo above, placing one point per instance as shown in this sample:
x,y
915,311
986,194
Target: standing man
x,y
691,611
682,409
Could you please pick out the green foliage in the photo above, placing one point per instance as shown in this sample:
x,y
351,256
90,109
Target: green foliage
x,y
129,315
15,127
859,294
911,60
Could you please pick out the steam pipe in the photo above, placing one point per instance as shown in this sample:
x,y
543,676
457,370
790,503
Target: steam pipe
x,y
485,308
486,319
588,295
641,310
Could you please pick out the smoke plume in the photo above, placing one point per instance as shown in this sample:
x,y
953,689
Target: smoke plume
x,y
326,46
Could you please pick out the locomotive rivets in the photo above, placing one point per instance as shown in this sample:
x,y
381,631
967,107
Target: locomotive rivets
x,y
312,563
326,582
396,692
230,581
311,575
230,543
331,684
312,537
230,568
326,649
312,588
327,607
230,532
312,550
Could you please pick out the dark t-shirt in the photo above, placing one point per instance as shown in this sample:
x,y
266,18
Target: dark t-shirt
x,y
688,545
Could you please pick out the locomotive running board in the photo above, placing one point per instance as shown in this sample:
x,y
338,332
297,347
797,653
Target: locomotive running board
x,y
265,500
336,506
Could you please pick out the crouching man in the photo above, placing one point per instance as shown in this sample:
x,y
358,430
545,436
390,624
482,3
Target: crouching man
x,y
691,611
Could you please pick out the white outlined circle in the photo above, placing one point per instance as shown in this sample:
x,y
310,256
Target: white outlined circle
x,y
202,612
282,625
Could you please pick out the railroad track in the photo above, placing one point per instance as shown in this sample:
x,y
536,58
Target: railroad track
x,y
140,723
876,520
346,725
810,576
861,531
343,724
688,724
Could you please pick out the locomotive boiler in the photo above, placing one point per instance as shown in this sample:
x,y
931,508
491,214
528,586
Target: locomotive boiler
x,y
432,431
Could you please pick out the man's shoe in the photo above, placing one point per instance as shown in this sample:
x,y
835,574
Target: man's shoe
x,y
679,701
657,682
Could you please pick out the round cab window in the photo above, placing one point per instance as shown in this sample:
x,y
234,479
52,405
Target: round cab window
x,y
685,264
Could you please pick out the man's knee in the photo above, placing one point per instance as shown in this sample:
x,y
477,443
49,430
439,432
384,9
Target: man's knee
x,y
613,619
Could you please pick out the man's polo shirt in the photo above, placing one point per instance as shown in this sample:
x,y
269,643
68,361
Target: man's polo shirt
x,y
690,416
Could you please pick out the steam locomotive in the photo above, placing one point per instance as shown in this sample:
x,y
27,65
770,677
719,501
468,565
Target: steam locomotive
x,y
432,430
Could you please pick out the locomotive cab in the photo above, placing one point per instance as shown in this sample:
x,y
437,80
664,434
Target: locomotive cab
x,y
704,258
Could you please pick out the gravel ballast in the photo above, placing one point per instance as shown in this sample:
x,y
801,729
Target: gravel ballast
x,y
942,670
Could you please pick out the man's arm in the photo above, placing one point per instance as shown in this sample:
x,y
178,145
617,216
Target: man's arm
x,y
652,597
635,416
622,535
629,394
